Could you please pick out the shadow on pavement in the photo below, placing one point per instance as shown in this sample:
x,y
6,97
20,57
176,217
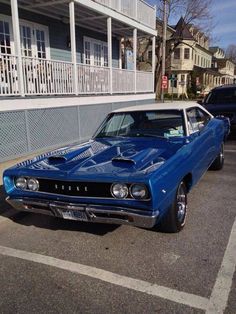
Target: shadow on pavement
x,y
55,223
52,223
3,204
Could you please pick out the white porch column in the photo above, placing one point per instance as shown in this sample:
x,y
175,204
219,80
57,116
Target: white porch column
x,y
109,43
73,46
154,60
16,34
135,58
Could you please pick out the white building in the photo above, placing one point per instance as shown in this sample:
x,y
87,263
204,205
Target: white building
x,y
61,69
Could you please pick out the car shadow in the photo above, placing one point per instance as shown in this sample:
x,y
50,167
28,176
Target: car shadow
x,y
52,223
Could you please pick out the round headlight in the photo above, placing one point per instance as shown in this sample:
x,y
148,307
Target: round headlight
x,y
21,183
119,190
33,184
138,191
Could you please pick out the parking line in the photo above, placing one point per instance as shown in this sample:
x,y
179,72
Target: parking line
x,y
184,298
220,293
230,151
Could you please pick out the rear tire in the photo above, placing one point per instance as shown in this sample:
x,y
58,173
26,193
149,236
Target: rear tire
x,y
218,163
175,218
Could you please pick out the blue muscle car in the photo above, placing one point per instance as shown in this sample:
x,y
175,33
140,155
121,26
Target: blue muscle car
x,y
137,169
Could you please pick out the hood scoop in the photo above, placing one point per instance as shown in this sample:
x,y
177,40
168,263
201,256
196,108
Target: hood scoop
x,y
54,160
67,155
123,159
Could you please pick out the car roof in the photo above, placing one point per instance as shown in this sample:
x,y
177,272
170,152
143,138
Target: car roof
x,y
178,105
225,87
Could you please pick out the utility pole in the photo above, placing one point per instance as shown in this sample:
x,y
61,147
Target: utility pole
x,y
163,72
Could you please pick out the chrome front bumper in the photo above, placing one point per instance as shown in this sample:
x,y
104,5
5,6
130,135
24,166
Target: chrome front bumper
x,y
89,213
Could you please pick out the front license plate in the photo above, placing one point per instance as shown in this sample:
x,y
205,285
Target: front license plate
x,y
73,215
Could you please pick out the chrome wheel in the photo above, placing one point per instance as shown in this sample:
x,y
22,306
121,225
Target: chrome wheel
x,y
181,204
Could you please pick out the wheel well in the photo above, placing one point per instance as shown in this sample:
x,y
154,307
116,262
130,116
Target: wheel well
x,y
188,180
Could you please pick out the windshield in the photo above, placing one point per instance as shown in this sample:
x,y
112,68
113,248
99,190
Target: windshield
x,y
222,96
158,123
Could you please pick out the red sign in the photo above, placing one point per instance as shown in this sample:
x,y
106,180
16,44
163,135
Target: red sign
x,y
164,83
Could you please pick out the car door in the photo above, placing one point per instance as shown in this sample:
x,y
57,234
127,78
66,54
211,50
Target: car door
x,y
202,139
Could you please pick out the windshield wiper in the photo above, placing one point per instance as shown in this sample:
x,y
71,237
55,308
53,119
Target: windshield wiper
x,y
151,135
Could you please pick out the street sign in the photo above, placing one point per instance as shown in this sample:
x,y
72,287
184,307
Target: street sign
x,y
164,82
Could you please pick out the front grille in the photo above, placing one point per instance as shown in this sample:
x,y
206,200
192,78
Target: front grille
x,y
72,188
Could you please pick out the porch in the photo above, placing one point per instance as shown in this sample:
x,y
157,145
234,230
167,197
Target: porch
x,y
26,71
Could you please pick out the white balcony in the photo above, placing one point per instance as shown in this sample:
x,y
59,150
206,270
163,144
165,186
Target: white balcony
x,y
50,77
136,9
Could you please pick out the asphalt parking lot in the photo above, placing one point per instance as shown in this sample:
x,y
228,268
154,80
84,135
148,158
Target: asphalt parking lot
x,y
48,265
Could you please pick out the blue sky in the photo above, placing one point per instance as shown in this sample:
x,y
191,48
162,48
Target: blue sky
x,y
224,14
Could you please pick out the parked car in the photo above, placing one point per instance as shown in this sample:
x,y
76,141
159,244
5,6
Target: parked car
x,y
222,101
137,169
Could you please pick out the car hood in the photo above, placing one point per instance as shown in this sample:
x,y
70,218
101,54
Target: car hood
x,y
118,157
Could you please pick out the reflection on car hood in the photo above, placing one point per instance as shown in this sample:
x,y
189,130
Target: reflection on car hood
x,y
112,156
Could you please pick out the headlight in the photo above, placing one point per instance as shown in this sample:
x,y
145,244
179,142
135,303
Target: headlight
x,y
21,183
33,184
119,190
138,191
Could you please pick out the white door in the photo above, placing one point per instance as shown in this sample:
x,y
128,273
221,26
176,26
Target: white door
x,y
8,65
35,49
95,52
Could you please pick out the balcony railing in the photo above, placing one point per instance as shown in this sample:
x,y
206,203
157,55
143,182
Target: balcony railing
x,y
136,9
52,77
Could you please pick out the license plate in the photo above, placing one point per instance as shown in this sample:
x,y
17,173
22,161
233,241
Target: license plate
x,y
73,215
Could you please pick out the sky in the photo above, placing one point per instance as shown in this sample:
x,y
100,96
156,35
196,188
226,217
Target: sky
x,y
224,20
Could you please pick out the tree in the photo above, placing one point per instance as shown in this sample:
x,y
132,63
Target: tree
x,y
231,53
197,12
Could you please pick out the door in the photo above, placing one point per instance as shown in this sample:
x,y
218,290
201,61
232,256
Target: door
x,y
95,52
35,49
203,142
8,65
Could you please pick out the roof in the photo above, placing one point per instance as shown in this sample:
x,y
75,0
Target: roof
x,y
225,86
160,106
182,31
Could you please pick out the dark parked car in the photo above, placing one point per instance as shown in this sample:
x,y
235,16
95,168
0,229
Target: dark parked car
x,y
222,101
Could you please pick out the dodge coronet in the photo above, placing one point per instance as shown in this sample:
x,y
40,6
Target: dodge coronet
x,y
137,169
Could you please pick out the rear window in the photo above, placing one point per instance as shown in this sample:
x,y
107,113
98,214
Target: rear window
x,y
222,96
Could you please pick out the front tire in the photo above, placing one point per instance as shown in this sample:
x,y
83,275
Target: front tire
x,y
175,218
218,163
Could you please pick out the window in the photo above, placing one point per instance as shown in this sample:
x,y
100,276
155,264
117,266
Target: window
x,y
87,52
177,53
196,117
5,42
40,41
186,53
164,123
222,96
150,55
26,41
97,54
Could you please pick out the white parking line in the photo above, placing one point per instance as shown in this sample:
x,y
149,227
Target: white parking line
x,y
230,151
220,294
191,300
